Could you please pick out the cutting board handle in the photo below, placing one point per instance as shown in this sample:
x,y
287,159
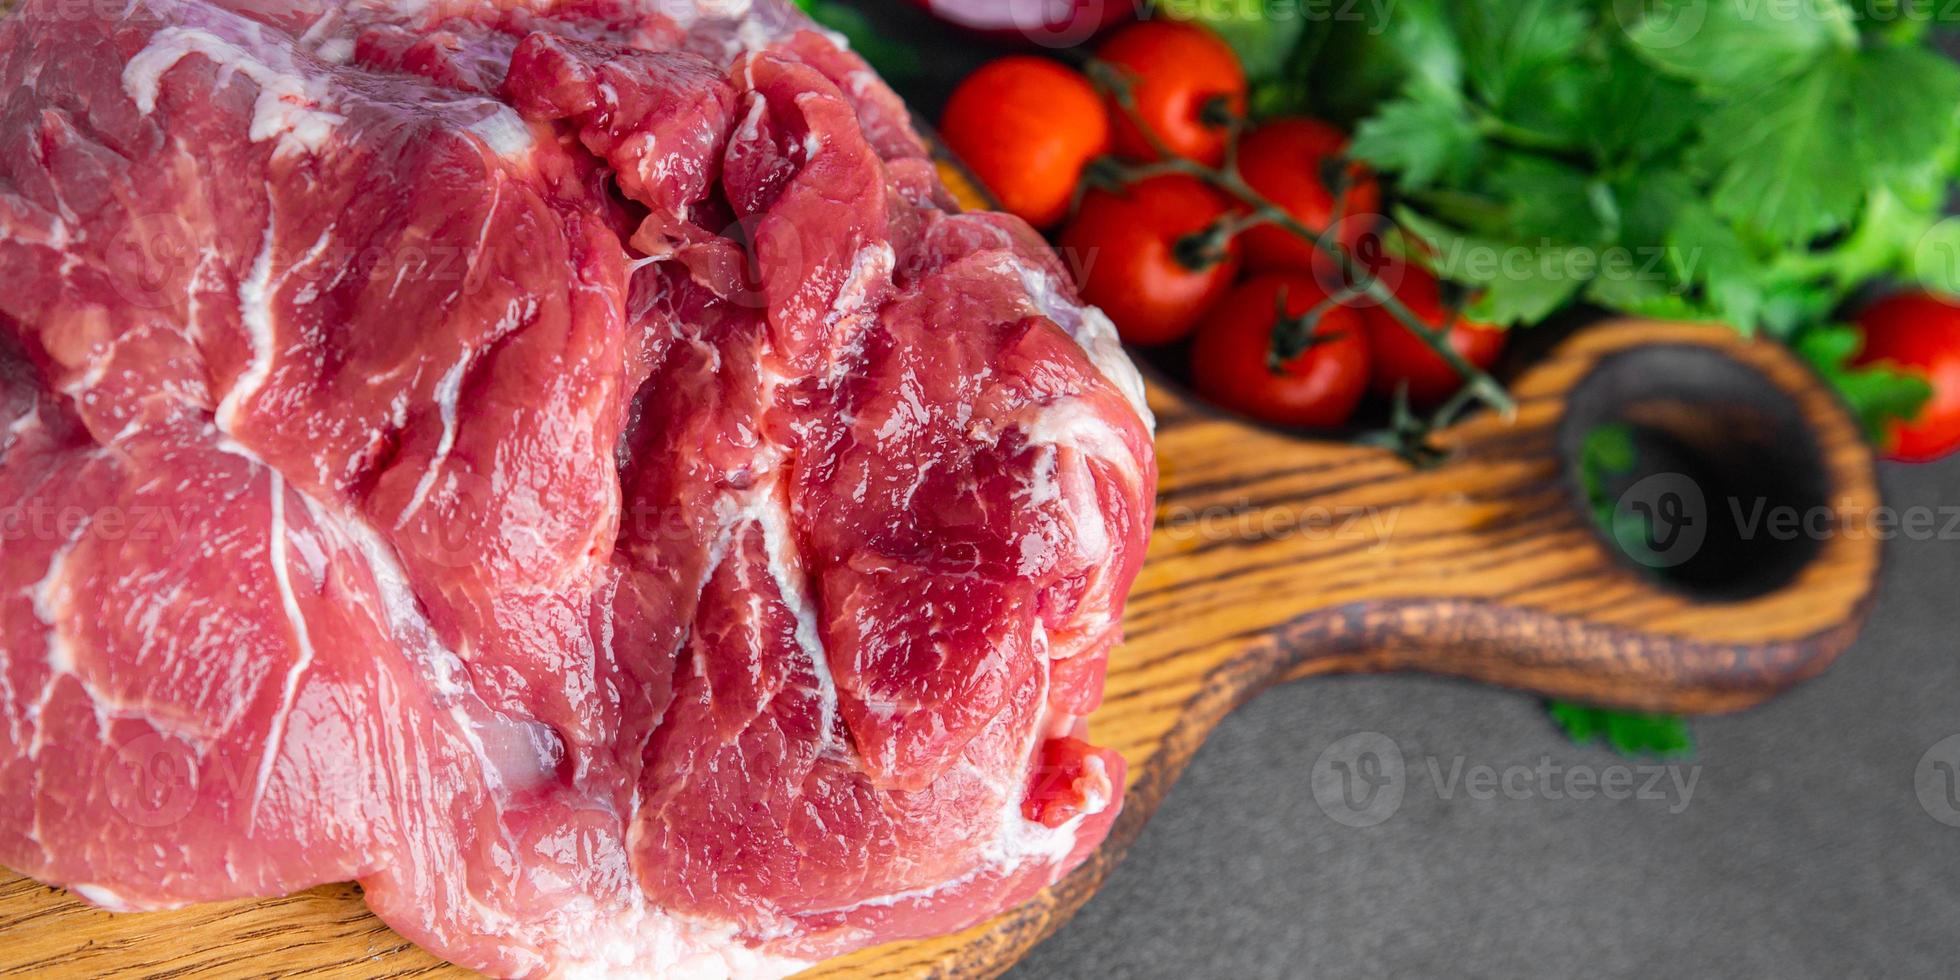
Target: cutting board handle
x,y
1279,556
1747,502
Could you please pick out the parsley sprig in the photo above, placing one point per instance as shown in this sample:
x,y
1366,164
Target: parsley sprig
x,y
1750,163
1630,733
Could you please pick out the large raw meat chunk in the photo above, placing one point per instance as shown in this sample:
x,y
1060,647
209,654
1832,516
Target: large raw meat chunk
x,y
568,467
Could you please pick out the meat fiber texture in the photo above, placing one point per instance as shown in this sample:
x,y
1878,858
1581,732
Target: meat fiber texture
x,y
570,469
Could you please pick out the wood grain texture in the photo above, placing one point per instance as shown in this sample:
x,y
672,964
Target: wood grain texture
x,y
1484,567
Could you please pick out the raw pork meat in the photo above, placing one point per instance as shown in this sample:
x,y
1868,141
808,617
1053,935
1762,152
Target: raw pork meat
x,y
569,468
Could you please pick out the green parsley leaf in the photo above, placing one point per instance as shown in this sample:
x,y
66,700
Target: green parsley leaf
x,y
1629,733
1425,136
1606,466
1887,239
1637,113
1556,201
1514,283
1362,62
1796,157
1528,292
1907,99
1605,451
1656,299
1651,201
1790,308
1781,159
1707,252
1507,43
1740,43
1550,109
1751,163
1877,395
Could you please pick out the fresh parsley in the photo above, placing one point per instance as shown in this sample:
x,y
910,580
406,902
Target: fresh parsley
x,y
1606,454
1628,732
1875,394
1732,161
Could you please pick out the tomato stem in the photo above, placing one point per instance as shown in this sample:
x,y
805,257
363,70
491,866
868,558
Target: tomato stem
x,y
1295,335
1407,434
1207,247
1118,82
1478,386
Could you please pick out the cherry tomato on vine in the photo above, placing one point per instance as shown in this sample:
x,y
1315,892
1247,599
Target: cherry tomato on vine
x,y
1175,71
1027,126
1919,333
1318,379
1284,161
1400,357
1125,250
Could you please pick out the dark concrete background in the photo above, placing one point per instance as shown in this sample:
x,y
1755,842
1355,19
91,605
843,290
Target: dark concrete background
x,y
1803,850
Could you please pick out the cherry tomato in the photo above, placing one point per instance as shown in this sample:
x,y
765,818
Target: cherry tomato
x,y
1124,250
1027,126
1317,389
1919,333
1175,71
1402,357
1283,160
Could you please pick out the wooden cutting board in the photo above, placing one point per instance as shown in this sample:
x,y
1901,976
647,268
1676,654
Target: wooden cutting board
x,y
1278,558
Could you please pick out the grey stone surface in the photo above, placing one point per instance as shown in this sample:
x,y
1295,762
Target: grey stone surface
x,y
1803,850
